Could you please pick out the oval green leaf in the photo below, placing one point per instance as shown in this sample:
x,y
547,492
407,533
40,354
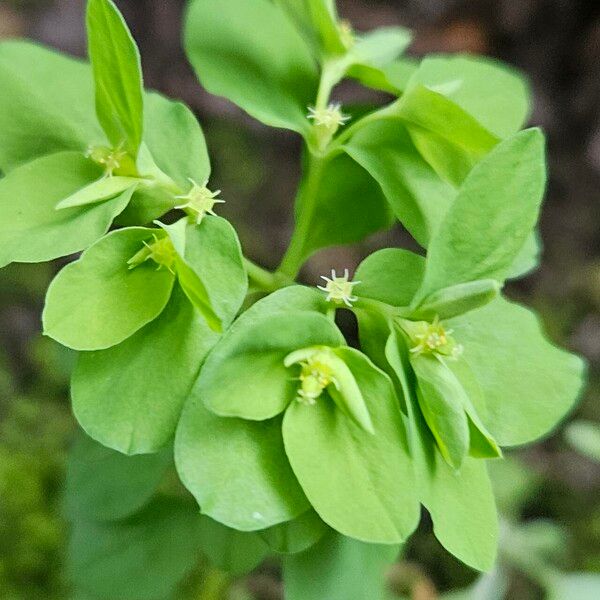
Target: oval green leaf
x,y
97,301
360,484
245,376
129,397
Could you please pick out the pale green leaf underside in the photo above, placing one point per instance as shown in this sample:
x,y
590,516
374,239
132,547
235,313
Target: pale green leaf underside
x,y
496,95
31,229
447,136
271,74
129,397
98,301
417,195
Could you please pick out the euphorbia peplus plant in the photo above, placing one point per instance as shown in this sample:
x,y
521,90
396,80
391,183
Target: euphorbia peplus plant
x,y
290,440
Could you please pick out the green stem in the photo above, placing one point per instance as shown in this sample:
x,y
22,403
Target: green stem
x,y
265,280
387,112
306,203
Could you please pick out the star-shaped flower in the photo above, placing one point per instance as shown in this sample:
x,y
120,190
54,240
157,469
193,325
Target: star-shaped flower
x,y
339,289
200,201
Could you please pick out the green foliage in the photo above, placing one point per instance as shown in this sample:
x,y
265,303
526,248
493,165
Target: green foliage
x,y
117,75
146,554
315,574
271,74
289,440
104,485
32,230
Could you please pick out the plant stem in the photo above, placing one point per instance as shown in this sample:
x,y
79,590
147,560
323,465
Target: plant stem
x,y
305,203
265,280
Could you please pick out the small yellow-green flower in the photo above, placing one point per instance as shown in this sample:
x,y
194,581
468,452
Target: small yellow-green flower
x,y
200,201
339,289
431,338
161,251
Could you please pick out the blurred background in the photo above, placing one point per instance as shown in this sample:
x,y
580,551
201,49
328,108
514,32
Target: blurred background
x,y
549,495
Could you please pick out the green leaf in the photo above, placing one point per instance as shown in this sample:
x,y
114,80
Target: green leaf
x,y
245,375
117,74
528,384
529,257
381,46
147,204
461,503
457,299
496,95
399,72
104,485
316,21
344,390
339,568
236,552
97,301
175,140
463,511
372,52
296,535
141,558
584,436
391,275
237,470
101,189
339,216
31,229
252,54
441,399
360,484
129,397
490,220
447,137
213,252
46,105
417,195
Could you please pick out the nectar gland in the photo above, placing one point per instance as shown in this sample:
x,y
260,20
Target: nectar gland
x,y
161,251
327,121
339,289
200,201
432,338
315,376
112,159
